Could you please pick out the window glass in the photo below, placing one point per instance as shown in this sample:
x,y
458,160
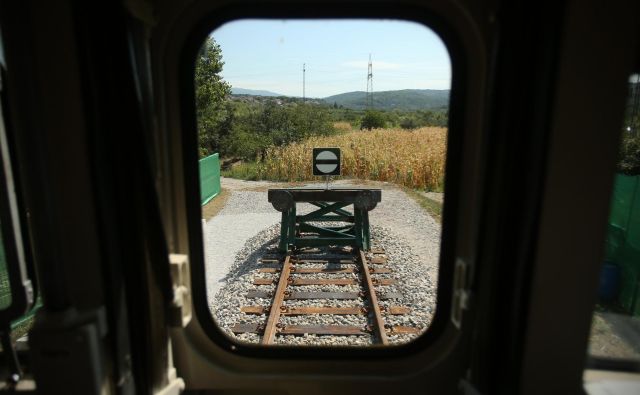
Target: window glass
x,y
322,150
615,329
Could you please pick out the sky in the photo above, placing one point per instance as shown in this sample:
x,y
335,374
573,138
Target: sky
x,y
269,55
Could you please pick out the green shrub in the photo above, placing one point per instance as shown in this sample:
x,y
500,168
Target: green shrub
x,y
372,120
409,123
243,171
276,124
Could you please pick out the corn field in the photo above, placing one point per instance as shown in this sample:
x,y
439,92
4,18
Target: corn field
x,y
411,158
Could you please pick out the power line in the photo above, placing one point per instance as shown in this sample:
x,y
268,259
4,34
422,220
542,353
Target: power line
x,y
303,82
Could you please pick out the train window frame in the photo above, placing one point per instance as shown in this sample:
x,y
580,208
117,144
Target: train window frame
x,y
444,298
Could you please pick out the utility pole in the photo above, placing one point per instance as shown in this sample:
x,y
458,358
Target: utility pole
x,y
369,98
303,82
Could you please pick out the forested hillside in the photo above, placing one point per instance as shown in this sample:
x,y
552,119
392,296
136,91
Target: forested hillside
x,y
406,100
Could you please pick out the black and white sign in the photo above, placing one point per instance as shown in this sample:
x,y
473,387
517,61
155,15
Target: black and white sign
x,y
326,161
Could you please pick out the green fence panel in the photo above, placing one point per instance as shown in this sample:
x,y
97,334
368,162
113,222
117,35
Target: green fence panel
x,y
623,239
209,178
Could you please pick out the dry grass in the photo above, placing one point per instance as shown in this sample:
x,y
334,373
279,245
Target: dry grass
x,y
414,158
431,206
342,127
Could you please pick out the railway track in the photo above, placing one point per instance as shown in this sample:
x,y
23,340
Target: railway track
x,y
322,267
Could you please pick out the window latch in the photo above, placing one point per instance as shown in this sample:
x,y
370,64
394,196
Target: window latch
x,y
461,292
181,307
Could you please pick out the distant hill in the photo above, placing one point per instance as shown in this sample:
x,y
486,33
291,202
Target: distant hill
x,y
253,92
406,99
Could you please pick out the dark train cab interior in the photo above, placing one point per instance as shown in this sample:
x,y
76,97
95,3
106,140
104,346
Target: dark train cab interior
x,y
97,138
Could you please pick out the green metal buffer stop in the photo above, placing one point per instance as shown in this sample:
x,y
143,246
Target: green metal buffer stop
x,y
310,230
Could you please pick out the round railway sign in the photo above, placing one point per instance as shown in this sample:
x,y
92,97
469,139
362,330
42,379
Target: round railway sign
x,y
326,161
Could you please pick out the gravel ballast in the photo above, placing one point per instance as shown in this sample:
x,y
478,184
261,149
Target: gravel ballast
x,y
247,228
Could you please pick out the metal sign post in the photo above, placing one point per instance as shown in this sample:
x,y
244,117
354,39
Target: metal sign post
x,y
326,162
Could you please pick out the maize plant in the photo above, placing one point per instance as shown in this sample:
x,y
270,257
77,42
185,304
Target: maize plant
x,y
413,158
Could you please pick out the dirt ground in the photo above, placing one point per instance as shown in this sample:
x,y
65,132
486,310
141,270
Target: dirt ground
x,y
216,204
613,337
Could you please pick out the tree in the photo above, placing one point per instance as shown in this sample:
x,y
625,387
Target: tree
x,y
278,125
372,120
214,116
629,156
408,122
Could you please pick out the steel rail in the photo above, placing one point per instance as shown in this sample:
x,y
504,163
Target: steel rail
x,y
373,300
270,328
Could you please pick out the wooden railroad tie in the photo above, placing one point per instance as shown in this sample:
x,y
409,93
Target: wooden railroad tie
x,y
356,310
324,270
253,294
322,281
336,330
